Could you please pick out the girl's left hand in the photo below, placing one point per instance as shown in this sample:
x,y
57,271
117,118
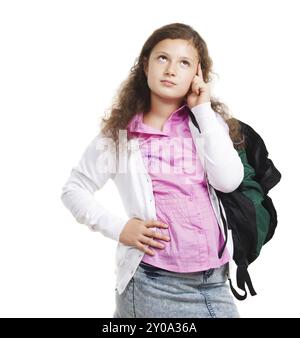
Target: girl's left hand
x,y
199,91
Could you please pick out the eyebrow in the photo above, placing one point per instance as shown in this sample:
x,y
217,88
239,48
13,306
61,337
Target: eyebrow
x,y
184,57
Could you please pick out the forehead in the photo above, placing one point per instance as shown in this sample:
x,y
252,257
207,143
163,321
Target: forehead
x,y
177,48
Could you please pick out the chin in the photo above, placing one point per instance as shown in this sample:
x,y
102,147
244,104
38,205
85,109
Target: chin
x,y
168,94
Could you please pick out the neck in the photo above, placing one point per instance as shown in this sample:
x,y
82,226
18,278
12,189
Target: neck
x,y
162,108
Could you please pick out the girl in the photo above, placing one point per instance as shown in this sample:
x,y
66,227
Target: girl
x,y
171,258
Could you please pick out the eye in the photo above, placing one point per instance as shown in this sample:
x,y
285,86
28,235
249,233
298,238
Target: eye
x,y
187,63
162,56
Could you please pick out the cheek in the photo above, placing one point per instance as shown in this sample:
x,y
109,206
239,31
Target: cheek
x,y
187,82
150,80
152,75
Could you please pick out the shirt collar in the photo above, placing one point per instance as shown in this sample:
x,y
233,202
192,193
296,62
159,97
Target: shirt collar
x,y
136,125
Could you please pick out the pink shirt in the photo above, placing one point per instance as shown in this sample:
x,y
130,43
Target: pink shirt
x,y
181,196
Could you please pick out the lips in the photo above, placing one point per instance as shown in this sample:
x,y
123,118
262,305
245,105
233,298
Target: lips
x,y
168,81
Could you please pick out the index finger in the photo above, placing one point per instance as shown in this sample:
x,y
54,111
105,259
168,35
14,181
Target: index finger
x,y
151,223
199,71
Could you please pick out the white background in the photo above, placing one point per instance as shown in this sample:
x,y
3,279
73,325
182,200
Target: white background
x,y
61,62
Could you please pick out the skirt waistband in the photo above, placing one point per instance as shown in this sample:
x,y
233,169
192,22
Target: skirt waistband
x,y
213,275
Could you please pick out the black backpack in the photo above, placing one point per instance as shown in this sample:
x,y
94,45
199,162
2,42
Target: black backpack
x,y
250,212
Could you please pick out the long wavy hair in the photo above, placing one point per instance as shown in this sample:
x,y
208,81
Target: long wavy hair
x,y
133,95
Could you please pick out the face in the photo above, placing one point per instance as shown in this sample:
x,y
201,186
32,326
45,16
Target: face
x,y
174,60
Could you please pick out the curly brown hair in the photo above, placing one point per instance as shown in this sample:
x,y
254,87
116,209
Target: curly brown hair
x,y
133,94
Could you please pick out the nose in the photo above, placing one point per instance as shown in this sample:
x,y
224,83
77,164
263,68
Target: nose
x,y
170,69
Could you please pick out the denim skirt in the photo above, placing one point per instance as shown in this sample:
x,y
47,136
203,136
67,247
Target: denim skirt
x,y
157,293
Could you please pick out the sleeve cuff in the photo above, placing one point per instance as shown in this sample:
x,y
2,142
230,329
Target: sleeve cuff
x,y
113,231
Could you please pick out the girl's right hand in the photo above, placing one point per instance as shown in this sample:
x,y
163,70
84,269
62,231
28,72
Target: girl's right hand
x,y
138,233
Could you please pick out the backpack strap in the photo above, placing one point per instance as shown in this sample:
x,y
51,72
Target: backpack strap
x,y
220,253
242,277
235,293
